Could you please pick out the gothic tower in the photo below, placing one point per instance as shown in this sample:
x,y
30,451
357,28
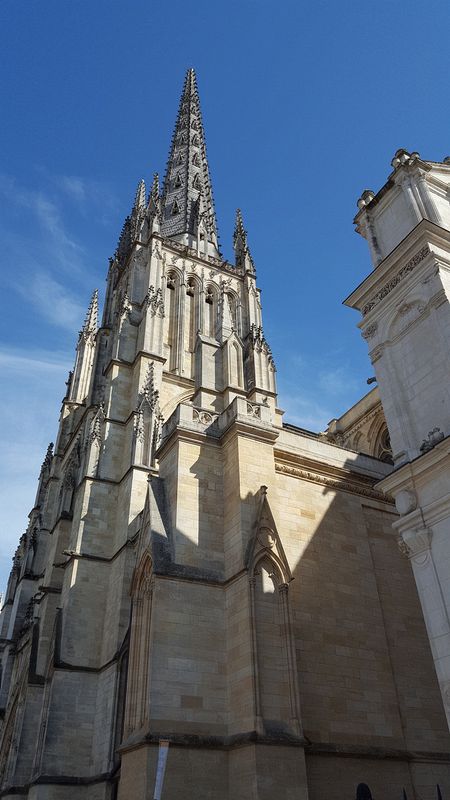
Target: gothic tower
x,y
405,305
195,571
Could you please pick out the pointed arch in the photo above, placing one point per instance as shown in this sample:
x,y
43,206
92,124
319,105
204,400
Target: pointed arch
x,y
170,325
210,311
137,695
277,706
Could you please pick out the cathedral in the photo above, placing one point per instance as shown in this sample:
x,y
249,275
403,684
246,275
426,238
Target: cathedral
x,y
209,602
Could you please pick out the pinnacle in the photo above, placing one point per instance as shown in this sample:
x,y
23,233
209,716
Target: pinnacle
x,y
90,323
239,230
48,457
243,256
154,191
139,200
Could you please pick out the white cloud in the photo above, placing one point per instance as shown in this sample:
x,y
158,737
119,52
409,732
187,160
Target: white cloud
x,y
52,300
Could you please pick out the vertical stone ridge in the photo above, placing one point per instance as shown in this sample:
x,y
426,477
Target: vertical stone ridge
x,y
187,174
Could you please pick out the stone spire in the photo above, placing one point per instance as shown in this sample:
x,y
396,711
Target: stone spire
x,y
187,173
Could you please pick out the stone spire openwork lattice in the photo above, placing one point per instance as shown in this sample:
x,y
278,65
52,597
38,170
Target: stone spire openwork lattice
x,y
187,173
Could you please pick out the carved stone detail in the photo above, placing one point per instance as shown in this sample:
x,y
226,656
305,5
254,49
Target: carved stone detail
x,y
405,502
154,301
335,483
387,288
370,331
434,437
416,543
254,410
203,417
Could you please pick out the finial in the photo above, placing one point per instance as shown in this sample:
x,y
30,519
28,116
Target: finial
x,y
402,157
366,198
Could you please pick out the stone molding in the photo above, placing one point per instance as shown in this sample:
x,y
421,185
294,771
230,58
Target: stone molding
x,y
390,285
340,483
416,544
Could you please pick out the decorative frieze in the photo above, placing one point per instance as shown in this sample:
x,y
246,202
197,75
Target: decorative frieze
x,y
388,287
370,331
340,484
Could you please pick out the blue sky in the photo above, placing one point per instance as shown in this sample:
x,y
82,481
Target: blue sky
x,y
304,105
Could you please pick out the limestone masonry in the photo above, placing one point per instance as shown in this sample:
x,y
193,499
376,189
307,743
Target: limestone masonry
x,y
197,571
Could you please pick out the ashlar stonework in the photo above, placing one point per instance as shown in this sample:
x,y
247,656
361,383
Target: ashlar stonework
x,y
198,571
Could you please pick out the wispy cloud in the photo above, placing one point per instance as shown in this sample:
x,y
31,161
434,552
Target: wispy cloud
x,y
22,361
46,213
52,300
88,195
314,391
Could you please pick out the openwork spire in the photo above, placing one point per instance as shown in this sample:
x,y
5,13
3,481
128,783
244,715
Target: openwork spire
x,y
187,171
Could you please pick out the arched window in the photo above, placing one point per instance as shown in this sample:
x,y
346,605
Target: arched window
x,y
210,313
190,325
196,160
178,181
175,208
137,700
196,183
170,321
195,140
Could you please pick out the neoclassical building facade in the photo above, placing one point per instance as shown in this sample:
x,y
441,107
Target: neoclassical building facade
x,y
197,572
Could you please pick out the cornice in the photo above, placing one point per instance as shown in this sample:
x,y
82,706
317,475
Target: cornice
x,y
331,476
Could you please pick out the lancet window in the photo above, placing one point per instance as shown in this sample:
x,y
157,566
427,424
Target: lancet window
x,y
210,312
137,702
170,319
